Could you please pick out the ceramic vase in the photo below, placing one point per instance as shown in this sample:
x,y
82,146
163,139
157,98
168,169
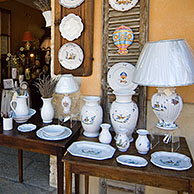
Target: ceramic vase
x,y
122,141
14,73
124,112
142,143
47,16
91,116
105,135
47,110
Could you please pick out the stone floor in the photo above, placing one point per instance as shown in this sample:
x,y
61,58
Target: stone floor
x,y
35,173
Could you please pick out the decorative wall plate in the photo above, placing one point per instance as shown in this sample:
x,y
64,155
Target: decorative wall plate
x,y
122,5
71,27
71,3
120,76
171,160
70,56
123,37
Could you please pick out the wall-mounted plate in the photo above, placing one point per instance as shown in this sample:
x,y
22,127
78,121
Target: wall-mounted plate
x,y
71,3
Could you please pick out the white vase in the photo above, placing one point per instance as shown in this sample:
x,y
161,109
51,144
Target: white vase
x,y
122,141
105,135
124,112
47,111
91,116
14,72
142,143
47,16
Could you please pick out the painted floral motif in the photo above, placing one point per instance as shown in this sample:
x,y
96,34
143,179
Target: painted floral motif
x,y
123,76
91,151
130,161
119,117
170,162
88,120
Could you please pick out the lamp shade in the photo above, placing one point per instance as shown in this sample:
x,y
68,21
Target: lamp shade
x,y
27,36
66,85
165,63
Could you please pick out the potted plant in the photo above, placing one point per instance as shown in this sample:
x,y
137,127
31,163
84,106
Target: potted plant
x,y
46,86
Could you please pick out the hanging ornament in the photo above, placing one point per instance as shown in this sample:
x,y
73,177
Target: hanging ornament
x,y
123,37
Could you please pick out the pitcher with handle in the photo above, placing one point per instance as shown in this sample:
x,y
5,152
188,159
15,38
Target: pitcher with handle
x,y
21,106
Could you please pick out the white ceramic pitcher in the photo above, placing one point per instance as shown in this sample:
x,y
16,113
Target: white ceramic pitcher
x,y
21,108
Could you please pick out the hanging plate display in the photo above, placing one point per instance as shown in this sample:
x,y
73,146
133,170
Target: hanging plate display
x,y
71,27
70,56
120,76
123,37
122,5
71,3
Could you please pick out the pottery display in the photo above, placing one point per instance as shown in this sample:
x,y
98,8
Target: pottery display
x,y
21,107
142,143
123,37
91,116
105,135
47,110
122,141
124,112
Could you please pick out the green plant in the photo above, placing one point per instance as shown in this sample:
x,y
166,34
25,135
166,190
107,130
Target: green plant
x,y
46,85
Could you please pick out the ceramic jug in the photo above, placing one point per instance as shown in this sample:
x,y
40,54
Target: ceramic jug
x,y
21,108
122,141
105,135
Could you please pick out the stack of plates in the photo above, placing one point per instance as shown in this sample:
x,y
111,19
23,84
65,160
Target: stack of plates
x,y
54,132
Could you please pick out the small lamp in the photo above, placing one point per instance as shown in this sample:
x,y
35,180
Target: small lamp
x,y
27,38
165,64
66,85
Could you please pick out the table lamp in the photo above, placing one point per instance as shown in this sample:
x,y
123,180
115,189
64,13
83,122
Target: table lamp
x,y
27,38
165,64
66,85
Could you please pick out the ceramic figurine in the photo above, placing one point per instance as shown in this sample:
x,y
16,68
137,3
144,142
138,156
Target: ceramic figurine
x,y
123,37
122,141
142,143
105,135
91,116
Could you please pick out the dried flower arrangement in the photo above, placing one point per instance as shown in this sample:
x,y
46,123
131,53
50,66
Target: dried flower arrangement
x,y
46,85
43,5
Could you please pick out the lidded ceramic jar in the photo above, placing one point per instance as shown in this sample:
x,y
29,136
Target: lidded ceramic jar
x,y
91,116
124,112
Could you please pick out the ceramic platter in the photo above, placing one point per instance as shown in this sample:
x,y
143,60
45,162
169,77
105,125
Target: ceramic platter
x,y
70,56
26,127
70,3
122,5
171,160
54,132
120,76
131,160
92,150
71,27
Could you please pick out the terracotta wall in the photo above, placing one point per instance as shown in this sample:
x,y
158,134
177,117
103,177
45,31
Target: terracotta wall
x,y
171,20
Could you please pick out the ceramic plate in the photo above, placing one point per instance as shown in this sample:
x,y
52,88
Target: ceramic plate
x,y
26,127
92,150
131,160
53,130
70,3
120,76
121,5
171,160
71,27
70,56
67,132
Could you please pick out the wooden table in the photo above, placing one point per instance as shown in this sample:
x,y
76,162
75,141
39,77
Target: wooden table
x,y
30,142
150,175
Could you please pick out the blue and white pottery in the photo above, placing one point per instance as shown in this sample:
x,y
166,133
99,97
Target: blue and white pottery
x,y
105,135
122,141
142,143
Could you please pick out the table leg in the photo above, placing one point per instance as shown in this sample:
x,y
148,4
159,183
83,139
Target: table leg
x,y
86,184
20,165
68,179
60,175
191,188
77,183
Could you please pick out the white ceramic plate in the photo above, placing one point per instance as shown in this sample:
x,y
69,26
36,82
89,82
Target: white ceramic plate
x,y
70,3
70,56
92,150
71,27
40,133
171,160
120,76
121,5
53,130
131,160
26,127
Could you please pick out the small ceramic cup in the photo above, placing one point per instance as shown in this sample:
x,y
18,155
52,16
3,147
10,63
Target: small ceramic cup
x,y
7,123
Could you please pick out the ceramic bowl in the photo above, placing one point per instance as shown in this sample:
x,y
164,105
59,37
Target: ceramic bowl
x,y
53,130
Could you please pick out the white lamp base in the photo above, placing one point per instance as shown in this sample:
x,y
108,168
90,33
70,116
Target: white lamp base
x,y
167,106
66,104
